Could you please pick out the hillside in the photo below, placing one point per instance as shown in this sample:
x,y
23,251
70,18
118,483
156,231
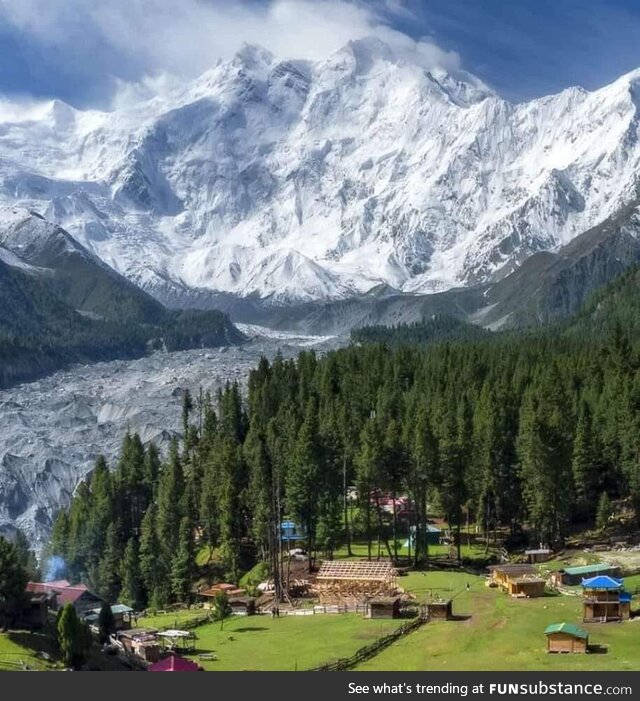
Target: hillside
x,y
60,306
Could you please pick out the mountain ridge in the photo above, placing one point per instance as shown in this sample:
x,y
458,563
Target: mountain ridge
x,y
296,181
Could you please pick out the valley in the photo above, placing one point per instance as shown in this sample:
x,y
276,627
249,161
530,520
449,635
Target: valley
x,y
52,430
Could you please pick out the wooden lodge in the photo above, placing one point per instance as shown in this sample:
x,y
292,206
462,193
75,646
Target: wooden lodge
x,y
573,576
566,637
79,595
520,581
242,605
383,607
604,600
440,610
340,580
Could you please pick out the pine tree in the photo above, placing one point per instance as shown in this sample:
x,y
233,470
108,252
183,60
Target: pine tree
x,y
132,592
106,622
109,582
152,563
13,581
28,560
303,475
183,564
74,637
585,468
170,495
604,511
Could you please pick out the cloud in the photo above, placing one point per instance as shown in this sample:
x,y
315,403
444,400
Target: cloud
x,y
151,37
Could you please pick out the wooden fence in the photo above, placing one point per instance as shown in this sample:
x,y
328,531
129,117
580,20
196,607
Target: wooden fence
x,y
369,651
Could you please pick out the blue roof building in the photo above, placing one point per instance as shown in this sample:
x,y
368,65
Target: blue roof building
x,y
605,600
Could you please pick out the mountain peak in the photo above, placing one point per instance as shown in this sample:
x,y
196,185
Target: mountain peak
x,y
253,56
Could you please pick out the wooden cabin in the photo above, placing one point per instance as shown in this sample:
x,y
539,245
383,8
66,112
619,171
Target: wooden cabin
x,y
383,607
242,605
440,610
526,587
573,576
566,637
520,581
604,600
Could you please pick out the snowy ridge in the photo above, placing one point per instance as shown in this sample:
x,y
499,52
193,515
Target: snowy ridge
x,y
294,181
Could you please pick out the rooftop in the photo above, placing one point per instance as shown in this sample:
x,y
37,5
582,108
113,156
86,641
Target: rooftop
x,y
356,570
568,628
602,582
588,569
175,663
513,569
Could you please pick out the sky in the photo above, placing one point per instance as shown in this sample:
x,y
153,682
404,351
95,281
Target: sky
x,y
89,52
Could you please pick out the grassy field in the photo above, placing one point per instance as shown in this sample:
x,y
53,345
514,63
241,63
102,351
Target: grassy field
x,y
288,642
18,650
359,549
502,633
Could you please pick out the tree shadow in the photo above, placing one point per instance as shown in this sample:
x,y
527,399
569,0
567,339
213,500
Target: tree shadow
x,y
248,629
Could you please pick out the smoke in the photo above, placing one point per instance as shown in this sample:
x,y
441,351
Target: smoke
x,y
55,567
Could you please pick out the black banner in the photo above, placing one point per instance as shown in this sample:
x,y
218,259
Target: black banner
x,y
322,685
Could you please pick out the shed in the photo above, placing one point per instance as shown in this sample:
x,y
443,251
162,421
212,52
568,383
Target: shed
x,y
242,605
537,555
383,607
566,637
174,663
440,610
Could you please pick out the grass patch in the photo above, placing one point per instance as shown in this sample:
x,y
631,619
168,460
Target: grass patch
x,y
471,551
502,633
20,648
287,643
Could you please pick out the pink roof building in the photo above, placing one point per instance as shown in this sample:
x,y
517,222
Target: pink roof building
x,y
175,663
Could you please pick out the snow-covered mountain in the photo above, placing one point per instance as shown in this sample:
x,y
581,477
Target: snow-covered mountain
x,y
294,180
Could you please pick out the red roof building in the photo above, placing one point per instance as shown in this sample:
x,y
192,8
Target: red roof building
x,y
77,594
175,663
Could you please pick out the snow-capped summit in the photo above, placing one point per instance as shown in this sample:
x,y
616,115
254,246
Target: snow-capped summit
x,y
298,180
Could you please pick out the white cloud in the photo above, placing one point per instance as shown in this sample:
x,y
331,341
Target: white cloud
x,y
186,37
